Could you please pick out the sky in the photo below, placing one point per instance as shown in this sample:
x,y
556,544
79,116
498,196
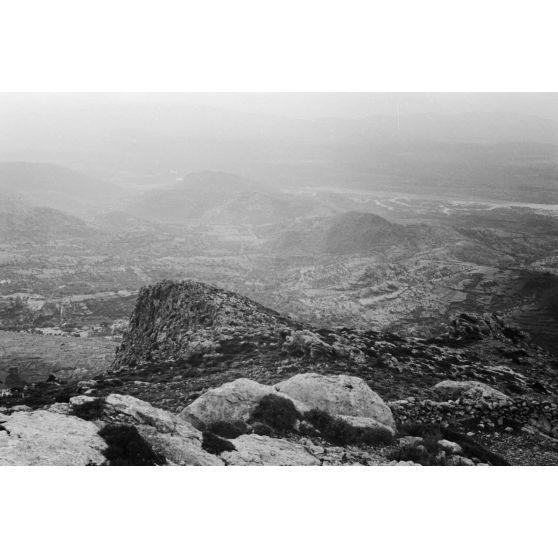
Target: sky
x,y
311,105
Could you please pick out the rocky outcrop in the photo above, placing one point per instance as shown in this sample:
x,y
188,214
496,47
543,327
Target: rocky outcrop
x,y
470,390
469,328
190,321
181,320
49,438
339,396
252,449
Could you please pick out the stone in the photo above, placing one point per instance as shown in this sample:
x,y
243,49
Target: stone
x,y
184,447
79,400
87,384
406,441
178,441
469,390
338,395
50,438
232,401
129,409
368,423
450,447
62,408
252,449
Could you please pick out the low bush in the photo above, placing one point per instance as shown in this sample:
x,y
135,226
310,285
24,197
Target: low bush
x,y
215,444
228,429
339,432
262,429
279,413
91,410
127,447
42,394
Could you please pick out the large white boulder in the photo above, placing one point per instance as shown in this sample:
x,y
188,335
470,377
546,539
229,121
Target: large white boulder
x,y
252,449
232,401
48,438
339,395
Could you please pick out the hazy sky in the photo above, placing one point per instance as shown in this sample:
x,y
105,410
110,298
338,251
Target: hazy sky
x,y
355,105
313,105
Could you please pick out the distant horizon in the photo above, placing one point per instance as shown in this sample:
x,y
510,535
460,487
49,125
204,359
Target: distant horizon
x,y
307,105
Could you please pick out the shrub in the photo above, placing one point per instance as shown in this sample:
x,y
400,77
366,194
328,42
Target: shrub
x,y
45,393
127,447
339,432
215,444
91,410
262,429
228,429
277,412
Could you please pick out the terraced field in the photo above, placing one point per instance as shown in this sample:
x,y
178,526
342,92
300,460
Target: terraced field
x,y
27,358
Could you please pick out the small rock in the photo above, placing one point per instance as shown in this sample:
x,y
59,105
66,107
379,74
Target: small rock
x,y
407,441
450,447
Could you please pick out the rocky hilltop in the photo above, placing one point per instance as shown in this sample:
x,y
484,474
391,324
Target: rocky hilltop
x,y
189,320
207,376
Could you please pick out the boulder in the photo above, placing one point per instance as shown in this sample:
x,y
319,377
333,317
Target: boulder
x,y
48,438
368,423
469,389
307,343
168,434
338,395
180,448
252,449
232,401
125,408
77,401
450,447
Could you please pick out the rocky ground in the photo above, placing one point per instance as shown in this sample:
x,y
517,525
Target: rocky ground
x,y
237,383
